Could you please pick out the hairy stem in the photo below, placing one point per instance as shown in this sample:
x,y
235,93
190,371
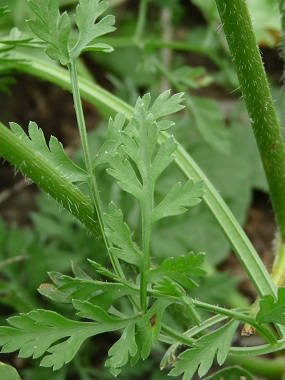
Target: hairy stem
x,y
35,167
254,85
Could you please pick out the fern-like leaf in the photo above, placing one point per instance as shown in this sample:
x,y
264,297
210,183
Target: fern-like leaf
x,y
202,355
52,27
179,269
271,310
178,199
119,234
40,331
87,13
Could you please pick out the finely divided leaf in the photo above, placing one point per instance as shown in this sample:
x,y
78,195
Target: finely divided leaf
x,y
112,141
178,199
87,13
166,105
202,355
272,311
163,158
122,350
122,170
39,331
119,234
103,294
53,153
179,269
52,28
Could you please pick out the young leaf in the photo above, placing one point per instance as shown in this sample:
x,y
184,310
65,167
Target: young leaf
x,y
52,28
112,141
119,234
102,293
148,329
272,311
38,332
179,269
53,153
87,13
166,286
122,170
165,104
202,354
163,158
89,310
122,350
178,199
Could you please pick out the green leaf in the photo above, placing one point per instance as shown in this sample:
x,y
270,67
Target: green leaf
x,y
103,294
113,140
179,269
119,234
39,332
148,329
178,199
53,153
138,159
169,287
124,173
122,350
87,13
163,158
205,349
51,27
8,372
165,104
89,310
272,310
231,373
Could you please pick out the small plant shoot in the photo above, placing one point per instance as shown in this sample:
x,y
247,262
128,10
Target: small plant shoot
x,y
150,301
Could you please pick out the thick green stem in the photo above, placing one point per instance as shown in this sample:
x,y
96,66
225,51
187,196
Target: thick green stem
x,y
34,166
255,89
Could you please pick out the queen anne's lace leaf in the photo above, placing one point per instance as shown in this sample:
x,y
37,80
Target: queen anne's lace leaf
x,y
179,269
53,153
112,141
202,355
119,234
271,310
125,348
39,332
166,105
87,13
178,199
52,27
102,293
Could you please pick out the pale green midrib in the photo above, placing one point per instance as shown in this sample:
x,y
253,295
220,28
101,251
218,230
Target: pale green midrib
x,y
100,97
